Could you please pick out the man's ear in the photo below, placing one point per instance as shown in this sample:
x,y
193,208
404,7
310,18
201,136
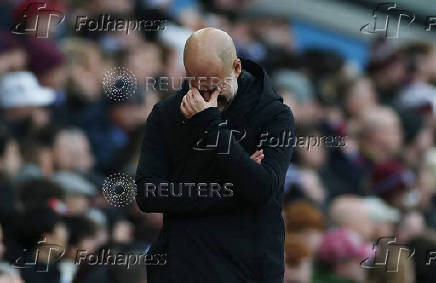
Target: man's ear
x,y
237,67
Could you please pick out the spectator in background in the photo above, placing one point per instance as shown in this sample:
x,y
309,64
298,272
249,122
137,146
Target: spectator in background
x,y
411,225
78,191
358,96
85,67
380,135
10,163
373,138
384,217
297,92
10,158
9,275
39,193
309,228
47,62
37,151
340,255
307,164
82,239
46,226
351,213
394,183
109,132
421,63
24,102
387,69
12,54
303,238
298,260
418,137
72,151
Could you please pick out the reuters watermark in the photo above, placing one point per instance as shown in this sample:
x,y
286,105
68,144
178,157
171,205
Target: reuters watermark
x,y
170,84
179,190
119,189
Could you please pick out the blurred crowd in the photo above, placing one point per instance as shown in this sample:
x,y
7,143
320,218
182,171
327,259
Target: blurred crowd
x,y
60,136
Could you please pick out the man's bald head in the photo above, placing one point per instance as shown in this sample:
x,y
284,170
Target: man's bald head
x,y
208,51
211,54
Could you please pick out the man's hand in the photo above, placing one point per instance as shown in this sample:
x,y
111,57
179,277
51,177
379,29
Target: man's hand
x,y
193,102
258,156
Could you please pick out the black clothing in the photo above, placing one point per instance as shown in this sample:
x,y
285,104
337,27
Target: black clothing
x,y
238,234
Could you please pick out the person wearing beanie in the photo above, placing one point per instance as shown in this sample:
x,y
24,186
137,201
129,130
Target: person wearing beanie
x,y
12,53
393,182
46,61
340,256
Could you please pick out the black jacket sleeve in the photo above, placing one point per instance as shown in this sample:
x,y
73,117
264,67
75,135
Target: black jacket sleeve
x,y
154,169
253,182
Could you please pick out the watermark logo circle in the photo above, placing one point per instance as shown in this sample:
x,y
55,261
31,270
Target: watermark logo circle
x,y
119,83
119,189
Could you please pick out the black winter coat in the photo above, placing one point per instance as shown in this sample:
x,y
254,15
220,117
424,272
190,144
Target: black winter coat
x,y
222,211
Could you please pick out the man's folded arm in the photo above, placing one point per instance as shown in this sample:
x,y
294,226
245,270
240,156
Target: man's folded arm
x,y
153,173
253,182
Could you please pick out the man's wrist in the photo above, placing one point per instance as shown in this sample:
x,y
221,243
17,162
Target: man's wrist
x,y
201,121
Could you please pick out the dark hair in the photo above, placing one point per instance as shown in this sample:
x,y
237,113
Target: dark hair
x,y
79,227
36,139
35,223
413,53
36,193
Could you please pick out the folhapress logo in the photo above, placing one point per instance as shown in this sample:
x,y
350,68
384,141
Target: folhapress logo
x,y
40,261
387,20
387,254
38,20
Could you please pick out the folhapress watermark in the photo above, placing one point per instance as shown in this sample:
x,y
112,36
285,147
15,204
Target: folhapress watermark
x,y
106,257
222,143
387,254
46,254
37,259
38,20
106,23
388,20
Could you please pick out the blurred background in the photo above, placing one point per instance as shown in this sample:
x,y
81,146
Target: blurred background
x,y
61,136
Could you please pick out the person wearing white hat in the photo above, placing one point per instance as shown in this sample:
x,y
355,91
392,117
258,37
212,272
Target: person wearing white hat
x,y
23,99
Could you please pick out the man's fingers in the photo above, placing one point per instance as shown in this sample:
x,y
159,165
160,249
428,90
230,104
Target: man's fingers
x,y
187,103
196,96
185,108
194,91
214,95
258,156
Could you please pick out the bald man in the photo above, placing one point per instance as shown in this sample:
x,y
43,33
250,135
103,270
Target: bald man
x,y
213,161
